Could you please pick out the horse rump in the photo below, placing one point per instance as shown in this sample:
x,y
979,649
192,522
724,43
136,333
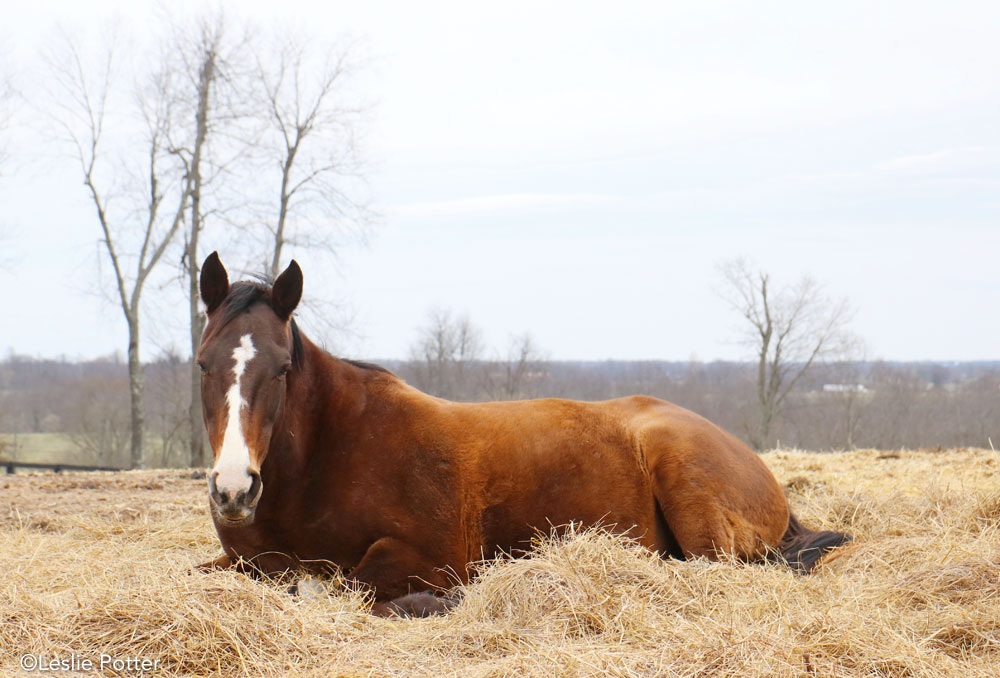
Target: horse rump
x,y
801,548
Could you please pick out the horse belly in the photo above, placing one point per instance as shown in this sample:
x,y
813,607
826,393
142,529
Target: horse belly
x,y
550,487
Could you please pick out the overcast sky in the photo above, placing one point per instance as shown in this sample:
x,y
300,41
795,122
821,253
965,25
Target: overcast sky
x,y
578,170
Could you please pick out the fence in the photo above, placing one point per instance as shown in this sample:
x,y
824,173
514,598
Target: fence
x,y
58,468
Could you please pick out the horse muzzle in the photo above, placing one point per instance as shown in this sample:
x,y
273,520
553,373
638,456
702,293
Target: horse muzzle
x,y
234,502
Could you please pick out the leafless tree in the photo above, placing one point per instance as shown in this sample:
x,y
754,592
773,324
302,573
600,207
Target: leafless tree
x,y
852,393
139,215
897,405
204,63
211,100
311,143
444,353
168,400
6,99
98,426
516,375
7,96
9,424
981,411
789,329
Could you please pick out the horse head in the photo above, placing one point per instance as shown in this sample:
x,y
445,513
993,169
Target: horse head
x,y
249,346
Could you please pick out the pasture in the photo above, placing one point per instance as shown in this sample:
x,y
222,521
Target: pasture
x,y
43,448
100,564
59,448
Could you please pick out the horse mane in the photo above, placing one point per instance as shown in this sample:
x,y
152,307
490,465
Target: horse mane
x,y
244,294
367,366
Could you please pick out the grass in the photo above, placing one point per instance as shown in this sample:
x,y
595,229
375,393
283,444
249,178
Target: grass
x,y
59,448
42,448
99,563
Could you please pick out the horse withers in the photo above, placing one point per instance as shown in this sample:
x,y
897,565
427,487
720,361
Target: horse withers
x,y
324,464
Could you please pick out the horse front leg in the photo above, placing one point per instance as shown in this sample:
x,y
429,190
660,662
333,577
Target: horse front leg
x,y
403,579
260,566
223,562
422,604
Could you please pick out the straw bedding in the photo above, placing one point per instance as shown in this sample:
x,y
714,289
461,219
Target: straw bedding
x,y
100,564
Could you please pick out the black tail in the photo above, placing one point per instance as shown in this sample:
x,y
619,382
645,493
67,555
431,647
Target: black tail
x,y
801,547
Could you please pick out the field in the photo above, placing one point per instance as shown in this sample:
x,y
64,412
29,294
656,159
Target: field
x,y
42,448
58,448
100,564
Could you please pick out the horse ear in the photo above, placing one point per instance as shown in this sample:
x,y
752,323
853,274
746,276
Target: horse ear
x,y
214,282
287,291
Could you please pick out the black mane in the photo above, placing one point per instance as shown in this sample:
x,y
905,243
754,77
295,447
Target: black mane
x,y
366,366
244,294
241,297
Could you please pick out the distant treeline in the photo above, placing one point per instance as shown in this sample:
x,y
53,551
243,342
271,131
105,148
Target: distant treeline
x,y
883,405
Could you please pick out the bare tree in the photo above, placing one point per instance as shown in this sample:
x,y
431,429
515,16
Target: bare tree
x,y
187,73
443,354
7,97
981,411
138,215
897,406
205,51
98,426
789,329
311,142
518,374
168,400
6,104
850,390
216,131
199,55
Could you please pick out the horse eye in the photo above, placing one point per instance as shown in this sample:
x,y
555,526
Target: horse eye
x,y
201,365
284,370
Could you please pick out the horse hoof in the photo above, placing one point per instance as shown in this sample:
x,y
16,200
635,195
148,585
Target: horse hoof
x,y
423,604
307,589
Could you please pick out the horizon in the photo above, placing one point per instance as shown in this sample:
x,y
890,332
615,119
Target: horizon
x,y
117,357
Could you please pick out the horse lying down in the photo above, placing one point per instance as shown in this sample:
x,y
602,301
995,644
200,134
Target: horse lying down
x,y
322,463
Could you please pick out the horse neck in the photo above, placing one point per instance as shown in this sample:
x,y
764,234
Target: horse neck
x,y
324,396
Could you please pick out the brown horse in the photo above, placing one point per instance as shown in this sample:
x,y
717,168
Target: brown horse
x,y
323,463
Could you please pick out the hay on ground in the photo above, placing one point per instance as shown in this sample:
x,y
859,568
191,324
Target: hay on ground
x,y
100,564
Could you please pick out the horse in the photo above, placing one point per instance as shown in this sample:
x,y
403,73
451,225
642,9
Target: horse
x,y
324,464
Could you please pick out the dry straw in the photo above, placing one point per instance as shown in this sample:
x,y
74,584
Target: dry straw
x,y
100,564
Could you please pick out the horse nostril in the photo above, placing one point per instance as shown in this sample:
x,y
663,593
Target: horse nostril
x,y
253,494
213,491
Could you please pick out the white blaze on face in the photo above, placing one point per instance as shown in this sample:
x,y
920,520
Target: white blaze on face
x,y
234,457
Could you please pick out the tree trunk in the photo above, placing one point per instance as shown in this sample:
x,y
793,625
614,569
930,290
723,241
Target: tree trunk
x,y
196,424
851,418
759,439
764,431
279,231
195,420
197,427
136,393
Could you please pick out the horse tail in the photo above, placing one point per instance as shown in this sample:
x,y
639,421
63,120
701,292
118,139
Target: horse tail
x,y
801,547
